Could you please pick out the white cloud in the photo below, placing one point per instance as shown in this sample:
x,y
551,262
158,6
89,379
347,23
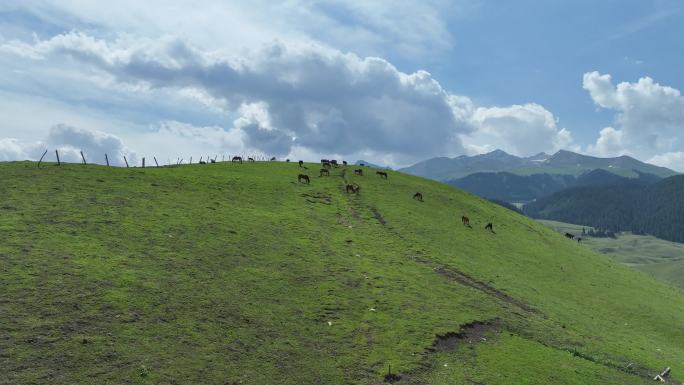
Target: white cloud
x,y
312,96
649,117
69,141
609,143
519,129
672,160
288,97
408,28
13,149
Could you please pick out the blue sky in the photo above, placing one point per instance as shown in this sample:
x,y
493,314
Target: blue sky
x,y
392,82
515,52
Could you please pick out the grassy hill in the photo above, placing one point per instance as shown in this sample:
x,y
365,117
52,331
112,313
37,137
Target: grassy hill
x,y
663,259
237,274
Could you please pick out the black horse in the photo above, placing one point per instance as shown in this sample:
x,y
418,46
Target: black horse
x,y
382,174
303,178
354,189
418,196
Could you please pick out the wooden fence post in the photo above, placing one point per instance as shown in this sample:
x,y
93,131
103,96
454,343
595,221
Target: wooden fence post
x,y
106,159
155,161
41,158
82,156
126,160
58,162
143,164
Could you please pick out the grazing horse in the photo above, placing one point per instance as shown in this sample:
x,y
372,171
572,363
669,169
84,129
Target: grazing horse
x,y
490,227
334,162
324,161
202,162
358,171
418,196
465,220
344,162
354,189
236,159
303,178
382,174
579,239
301,163
325,171
273,158
250,159
569,236
212,160
287,160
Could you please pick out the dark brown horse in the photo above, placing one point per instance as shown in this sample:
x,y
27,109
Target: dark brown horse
x,y
325,171
418,196
273,158
236,159
301,163
303,178
465,220
382,174
490,227
358,171
250,159
569,236
354,189
344,162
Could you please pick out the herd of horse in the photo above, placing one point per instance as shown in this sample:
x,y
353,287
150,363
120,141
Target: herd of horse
x,y
326,165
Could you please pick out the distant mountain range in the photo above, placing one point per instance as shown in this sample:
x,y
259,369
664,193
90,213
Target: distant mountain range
x,y
638,205
509,187
372,165
561,163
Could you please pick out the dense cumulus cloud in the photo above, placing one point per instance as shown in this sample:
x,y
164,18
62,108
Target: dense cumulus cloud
x,y
288,97
649,119
520,129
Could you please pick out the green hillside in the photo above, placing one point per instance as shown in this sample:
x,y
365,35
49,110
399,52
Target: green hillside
x,y
663,259
237,274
